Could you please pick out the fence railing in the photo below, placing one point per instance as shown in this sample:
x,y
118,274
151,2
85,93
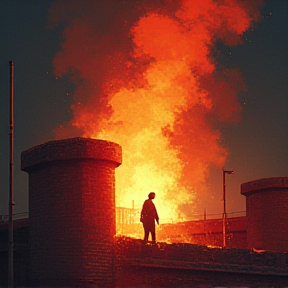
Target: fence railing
x,y
5,218
129,216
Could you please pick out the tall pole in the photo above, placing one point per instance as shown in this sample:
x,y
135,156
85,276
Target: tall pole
x,y
133,214
224,216
11,180
224,211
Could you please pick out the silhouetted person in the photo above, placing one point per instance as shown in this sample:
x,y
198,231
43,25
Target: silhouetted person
x,y
148,217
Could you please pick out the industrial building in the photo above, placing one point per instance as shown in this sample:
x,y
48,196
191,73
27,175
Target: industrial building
x,y
69,239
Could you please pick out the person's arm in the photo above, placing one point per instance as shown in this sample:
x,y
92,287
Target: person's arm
x,y
141,215
156,215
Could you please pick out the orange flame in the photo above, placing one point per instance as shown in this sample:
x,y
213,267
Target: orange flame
x,y
153,87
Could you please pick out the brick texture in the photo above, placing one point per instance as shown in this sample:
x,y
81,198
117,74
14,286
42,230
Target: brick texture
x,y
163,265
206,232
72,229
267,213
72,210
189,265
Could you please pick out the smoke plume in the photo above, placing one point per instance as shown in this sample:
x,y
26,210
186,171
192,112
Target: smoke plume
x,y
146,77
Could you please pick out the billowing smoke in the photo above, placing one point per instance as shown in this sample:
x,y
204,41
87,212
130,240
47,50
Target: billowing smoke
x,y
146,76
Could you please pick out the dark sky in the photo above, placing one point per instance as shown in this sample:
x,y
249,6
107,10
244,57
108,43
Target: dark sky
x,y
258,144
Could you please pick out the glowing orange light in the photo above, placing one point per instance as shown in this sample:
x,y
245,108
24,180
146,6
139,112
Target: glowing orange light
x,y
161,101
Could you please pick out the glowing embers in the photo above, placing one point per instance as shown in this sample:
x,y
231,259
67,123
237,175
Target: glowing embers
x,y
158,92
149,165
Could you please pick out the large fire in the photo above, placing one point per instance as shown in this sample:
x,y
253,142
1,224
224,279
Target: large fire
x,y
146,77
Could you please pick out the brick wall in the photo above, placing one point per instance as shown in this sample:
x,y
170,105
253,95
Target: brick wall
x,y
166,265
206,232
189,265
72,210
20,254
267,213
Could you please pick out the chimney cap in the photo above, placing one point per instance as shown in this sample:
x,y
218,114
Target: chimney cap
x,y
72,148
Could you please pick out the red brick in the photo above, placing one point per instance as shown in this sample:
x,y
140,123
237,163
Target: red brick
x,y
72,209
267,213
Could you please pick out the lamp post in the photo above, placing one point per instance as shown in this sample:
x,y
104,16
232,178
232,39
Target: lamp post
x,y
224,206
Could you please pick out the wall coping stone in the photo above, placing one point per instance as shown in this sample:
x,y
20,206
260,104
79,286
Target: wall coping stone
x,y
199,257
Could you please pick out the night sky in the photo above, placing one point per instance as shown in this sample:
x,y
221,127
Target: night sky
x,y
258,144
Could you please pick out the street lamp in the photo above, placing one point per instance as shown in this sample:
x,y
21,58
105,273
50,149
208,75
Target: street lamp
x,y
224,206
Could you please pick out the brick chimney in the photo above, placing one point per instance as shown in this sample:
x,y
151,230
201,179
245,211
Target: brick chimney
x,y
72,210
267,213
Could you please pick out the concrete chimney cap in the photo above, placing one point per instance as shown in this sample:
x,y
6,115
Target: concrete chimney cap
x,y
72,148
264,184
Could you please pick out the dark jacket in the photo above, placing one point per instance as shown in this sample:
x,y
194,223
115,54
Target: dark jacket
x,y
149,213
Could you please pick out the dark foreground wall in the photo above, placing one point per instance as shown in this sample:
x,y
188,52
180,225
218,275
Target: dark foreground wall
x,y
190,265
21,253
167,265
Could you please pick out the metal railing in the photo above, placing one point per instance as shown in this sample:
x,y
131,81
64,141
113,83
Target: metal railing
x,y
129,216
16,216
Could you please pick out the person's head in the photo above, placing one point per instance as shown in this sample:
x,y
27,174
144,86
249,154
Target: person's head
x,y
151,195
